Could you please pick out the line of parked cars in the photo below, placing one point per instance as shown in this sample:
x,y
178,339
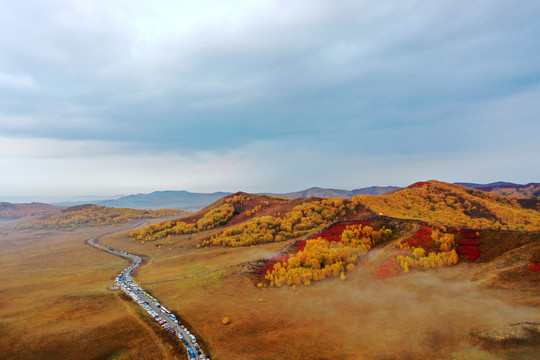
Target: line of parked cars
x,y
160,313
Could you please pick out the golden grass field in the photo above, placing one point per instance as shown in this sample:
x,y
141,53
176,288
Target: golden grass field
x,y
54,305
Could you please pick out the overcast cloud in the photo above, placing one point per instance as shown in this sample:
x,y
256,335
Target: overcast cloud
x,y
101,97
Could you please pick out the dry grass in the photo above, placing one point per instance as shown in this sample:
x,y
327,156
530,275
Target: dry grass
x,y
54,303
423,315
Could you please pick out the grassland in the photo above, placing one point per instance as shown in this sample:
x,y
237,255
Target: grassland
x,y
54,302
420,315
15,211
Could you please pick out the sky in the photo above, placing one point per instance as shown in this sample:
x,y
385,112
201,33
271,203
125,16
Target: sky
x,y
118,97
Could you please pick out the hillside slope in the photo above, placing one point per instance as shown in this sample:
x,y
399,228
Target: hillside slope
x,y
94,215
454,205
15,211
252,218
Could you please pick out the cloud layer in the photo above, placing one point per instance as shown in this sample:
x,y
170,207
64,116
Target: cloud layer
x,y
291,93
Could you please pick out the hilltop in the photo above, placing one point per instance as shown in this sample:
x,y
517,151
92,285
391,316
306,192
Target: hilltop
x,y
264,218
15,211
255,218
191,201
95,215
455,205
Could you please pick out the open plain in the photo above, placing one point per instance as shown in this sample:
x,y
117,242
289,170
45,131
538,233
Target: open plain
x,y
54,302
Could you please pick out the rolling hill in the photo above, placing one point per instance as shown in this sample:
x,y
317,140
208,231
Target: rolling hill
x,y
95,215
283,218
331,234
264,218
15,211
454,205
189,201
185,200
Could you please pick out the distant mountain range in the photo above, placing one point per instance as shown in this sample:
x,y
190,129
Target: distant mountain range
x,y
493,184
527,191
322,192
188,201
180,200
184,200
